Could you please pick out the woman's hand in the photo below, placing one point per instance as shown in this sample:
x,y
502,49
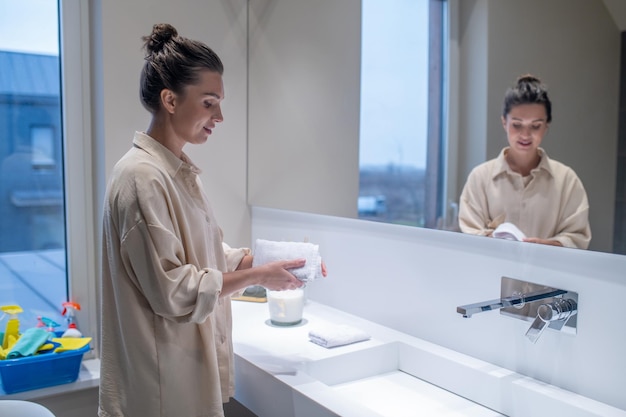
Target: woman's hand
x,y
543,241
275,275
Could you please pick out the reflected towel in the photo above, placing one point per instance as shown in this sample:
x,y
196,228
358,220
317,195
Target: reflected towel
x,y
266,251
331,335
29,343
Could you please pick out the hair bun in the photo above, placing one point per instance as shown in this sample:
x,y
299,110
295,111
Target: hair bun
x,y
528,79
161,34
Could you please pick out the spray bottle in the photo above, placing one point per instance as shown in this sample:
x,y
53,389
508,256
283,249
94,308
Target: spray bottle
x,y
69,310
49,324
12,331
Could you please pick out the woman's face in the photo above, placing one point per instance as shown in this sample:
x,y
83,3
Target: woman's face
x,y
198,110
525,126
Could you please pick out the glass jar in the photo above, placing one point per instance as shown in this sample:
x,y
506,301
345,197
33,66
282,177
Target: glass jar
x,y
286,306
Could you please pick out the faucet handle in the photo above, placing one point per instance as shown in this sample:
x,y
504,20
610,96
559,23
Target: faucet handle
x,y
554,315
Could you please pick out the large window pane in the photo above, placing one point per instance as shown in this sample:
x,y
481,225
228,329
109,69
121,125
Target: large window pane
x,y
32,211
400,101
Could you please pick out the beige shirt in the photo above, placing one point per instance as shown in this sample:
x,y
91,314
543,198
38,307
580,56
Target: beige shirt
x,y
551,203
166,346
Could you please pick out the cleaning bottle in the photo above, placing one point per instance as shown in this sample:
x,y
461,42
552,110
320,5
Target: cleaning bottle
x,y
49,324
12,331
69,309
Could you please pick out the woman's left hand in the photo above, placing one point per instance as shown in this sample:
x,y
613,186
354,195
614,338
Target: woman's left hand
x,y
543,241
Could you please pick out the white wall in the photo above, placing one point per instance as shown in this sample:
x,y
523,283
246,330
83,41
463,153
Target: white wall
x,y
412,280
303,139
617,8
82,403
222,24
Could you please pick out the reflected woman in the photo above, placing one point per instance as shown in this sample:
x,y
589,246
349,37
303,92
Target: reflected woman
x,y
544,198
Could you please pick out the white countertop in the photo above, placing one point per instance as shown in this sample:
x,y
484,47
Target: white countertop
x,y
283,354
280,372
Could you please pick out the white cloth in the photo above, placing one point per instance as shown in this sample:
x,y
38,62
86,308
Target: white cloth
x,y
508,231
332,335
266,251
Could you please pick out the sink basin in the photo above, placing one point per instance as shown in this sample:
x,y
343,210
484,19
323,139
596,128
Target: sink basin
x,y
401,379
386,380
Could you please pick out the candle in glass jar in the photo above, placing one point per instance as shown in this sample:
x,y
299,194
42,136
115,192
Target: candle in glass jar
x,y
286,306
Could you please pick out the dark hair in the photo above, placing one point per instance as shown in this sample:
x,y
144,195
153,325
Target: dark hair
x,y
527,90
172,62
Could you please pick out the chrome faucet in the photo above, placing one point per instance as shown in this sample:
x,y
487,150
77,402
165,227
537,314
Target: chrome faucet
x,y
553,315
519,299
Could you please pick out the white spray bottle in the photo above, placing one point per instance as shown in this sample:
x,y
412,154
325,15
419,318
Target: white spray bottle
x,y
69,310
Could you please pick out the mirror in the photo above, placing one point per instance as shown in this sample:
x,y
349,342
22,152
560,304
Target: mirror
x,y
306,58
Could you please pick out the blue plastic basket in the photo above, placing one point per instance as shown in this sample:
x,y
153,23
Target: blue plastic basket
x,y
40,371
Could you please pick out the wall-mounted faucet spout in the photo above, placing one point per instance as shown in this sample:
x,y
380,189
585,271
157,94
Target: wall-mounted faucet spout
x,y
557,310
513,301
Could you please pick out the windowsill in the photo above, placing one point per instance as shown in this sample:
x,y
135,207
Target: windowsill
x,y
88,377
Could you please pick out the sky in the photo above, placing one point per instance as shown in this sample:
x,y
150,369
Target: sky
x,y
394,76
29,26
394,83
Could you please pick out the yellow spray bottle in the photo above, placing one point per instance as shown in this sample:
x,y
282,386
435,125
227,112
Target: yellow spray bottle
x,y
12,331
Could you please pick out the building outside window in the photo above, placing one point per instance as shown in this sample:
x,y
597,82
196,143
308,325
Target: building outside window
x,y
43,232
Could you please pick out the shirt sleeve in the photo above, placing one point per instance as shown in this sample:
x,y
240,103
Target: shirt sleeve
x,y
234,256
573,230
154,256
175,290
473,215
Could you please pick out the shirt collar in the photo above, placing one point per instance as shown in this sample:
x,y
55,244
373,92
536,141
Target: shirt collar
x,y
170,161
502,167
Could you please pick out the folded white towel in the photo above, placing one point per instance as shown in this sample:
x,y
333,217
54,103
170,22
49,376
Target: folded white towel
x,y
266,251
509,231
331,335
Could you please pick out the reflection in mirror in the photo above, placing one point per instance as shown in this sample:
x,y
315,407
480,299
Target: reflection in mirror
x,y
524,188
315,121
476,142
399,136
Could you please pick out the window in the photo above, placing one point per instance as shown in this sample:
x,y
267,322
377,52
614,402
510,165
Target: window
x,y
42,143
401,140
46,223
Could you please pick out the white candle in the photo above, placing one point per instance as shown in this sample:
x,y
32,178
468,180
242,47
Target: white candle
x,y
286,306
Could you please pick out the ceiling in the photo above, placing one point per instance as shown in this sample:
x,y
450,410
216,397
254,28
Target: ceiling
x,y
617,8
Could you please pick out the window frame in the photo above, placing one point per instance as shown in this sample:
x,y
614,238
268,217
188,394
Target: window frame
x,y
436,166
79,178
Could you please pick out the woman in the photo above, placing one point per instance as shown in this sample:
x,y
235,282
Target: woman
x,y
167,276
544,198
